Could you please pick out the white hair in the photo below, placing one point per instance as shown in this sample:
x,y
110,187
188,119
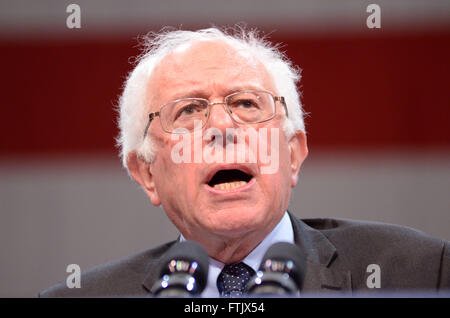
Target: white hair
x,y
133,103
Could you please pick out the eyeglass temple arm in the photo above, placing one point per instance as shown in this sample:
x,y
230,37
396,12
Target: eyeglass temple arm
x,y
281,99
151,116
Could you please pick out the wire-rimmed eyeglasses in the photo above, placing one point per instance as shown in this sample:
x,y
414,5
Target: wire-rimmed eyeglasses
x,y
244,107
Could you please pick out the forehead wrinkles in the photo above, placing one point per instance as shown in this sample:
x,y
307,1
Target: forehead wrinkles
x,y
204,65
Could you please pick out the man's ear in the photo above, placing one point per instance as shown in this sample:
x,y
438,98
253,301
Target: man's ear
x,y
140,170
299,151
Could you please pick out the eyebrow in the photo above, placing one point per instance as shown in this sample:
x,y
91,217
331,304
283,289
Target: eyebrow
x,y
198,93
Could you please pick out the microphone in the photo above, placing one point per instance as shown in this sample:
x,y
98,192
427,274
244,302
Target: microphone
x,y
183,271
281,272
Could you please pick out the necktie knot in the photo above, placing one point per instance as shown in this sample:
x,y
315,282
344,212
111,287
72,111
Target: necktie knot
x,y
233,278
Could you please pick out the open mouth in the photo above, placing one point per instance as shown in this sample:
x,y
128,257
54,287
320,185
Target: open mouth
x,y
229,179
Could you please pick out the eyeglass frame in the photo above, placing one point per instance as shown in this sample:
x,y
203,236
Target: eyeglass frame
x,y
281,99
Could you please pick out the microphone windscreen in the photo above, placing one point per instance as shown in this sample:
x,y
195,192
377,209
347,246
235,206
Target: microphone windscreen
x,y
288,254
185,253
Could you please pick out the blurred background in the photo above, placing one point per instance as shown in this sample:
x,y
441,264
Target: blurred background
x,y
378,125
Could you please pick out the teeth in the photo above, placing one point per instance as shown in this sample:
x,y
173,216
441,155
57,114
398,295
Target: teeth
x,y
229,185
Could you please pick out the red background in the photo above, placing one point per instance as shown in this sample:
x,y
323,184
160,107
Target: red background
x,y
374,90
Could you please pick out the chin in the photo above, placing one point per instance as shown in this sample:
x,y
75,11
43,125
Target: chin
x,y
236,221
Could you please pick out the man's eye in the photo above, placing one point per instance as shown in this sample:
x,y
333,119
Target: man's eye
x,y
246,103
188,110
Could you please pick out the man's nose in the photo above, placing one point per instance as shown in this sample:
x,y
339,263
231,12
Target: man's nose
x,y
219,117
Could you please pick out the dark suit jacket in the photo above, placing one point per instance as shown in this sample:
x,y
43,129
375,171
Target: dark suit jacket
x,y
338,253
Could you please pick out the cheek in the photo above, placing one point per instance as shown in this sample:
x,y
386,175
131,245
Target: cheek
x,y
275,184
273,153
165,173
285,158
280,179
174,181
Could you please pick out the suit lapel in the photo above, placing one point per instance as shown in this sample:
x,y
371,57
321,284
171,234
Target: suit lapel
x,y
152,276
320,275
152,268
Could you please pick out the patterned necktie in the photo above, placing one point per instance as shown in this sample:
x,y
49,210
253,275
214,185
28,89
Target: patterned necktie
x,y
233,278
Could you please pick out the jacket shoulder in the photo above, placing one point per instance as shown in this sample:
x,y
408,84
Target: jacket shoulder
x,y
123,277
371,233
407,258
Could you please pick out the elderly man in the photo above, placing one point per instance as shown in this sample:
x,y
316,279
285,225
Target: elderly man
x,y
212,129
